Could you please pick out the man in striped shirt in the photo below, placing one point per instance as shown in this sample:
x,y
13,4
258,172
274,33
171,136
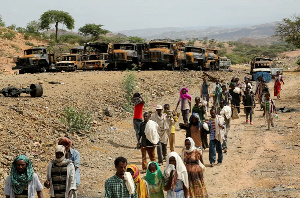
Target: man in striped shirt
x,y
217,128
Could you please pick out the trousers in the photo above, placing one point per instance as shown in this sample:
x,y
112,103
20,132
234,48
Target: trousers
x,y
136,126
185,115
151,154
161,151
213,146
172,141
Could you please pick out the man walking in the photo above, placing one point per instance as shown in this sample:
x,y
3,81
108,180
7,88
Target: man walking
x,y
22,181
72,155
148,145
204,91
61,177
249,104
121,185
225,111
216,127
163,121
138,102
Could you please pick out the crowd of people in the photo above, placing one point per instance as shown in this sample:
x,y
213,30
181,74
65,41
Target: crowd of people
x,y
183,175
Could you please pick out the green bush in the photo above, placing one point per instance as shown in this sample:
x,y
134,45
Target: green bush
x,y
10,35
298,61
129,87
16,47
12,27
76,120
69,38
29,43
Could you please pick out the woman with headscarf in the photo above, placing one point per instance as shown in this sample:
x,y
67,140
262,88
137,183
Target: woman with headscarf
x,y
61,175
72,155
192,158
185,100
277,85
141,184
22,180
195,131
155,180
177,182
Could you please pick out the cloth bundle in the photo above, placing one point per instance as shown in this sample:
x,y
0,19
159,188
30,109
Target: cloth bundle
x,y
151,132
226,111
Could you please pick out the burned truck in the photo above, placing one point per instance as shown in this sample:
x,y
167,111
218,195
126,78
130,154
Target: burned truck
x,y
70,62
124,56
35,59
213,60
163,55
77,50
195,57
96,55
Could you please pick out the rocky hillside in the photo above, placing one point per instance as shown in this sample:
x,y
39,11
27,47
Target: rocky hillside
x,y
12,44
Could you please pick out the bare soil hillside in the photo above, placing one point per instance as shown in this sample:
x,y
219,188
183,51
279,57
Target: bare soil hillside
x,y
10,48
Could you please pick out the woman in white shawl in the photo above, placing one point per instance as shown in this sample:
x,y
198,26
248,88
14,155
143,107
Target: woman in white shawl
x,y
176,177
192,158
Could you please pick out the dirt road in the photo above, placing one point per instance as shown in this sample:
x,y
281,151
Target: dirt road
x,y
256,162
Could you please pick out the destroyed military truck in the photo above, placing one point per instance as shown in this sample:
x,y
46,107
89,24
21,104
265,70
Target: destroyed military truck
x,y
195,57
96,55
77,50
267,65
124,56
213,60
35,59
164,55
225,63
70,62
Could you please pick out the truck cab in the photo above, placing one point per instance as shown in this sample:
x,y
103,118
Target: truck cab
x,y
70,62
195,57
35,59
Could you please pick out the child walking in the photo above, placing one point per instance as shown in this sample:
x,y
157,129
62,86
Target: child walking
x,y
269,110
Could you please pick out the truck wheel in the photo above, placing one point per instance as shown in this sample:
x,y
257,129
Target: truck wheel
x,y
43,70
36,90
21,71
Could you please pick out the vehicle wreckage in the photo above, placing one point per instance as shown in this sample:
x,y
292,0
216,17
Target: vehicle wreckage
x,y
35,90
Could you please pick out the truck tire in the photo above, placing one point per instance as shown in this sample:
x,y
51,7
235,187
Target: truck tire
x,y
43,70
36,90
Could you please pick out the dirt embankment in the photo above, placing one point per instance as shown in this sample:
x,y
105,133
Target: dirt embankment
x,y
257,161
10,48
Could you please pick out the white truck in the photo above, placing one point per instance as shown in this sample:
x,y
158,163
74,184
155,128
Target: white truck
x,y
225,63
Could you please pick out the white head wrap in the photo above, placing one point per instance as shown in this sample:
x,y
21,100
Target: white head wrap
x,y
192,148
62,149
180,168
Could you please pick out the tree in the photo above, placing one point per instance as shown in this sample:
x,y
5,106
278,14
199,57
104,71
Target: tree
x,y
56,17
93,30
2,23
33,27
289,30
135,39
12,27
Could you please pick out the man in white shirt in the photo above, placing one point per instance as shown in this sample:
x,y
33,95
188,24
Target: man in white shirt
x,y
22,181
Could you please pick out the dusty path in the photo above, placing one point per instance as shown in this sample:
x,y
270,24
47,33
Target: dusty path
x,y
257,160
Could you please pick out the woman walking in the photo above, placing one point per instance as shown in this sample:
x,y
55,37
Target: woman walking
x,y
277,85
176,177
155,180
141,184
193,161
185,100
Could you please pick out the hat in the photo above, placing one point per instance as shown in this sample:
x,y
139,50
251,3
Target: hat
x,y
159,107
